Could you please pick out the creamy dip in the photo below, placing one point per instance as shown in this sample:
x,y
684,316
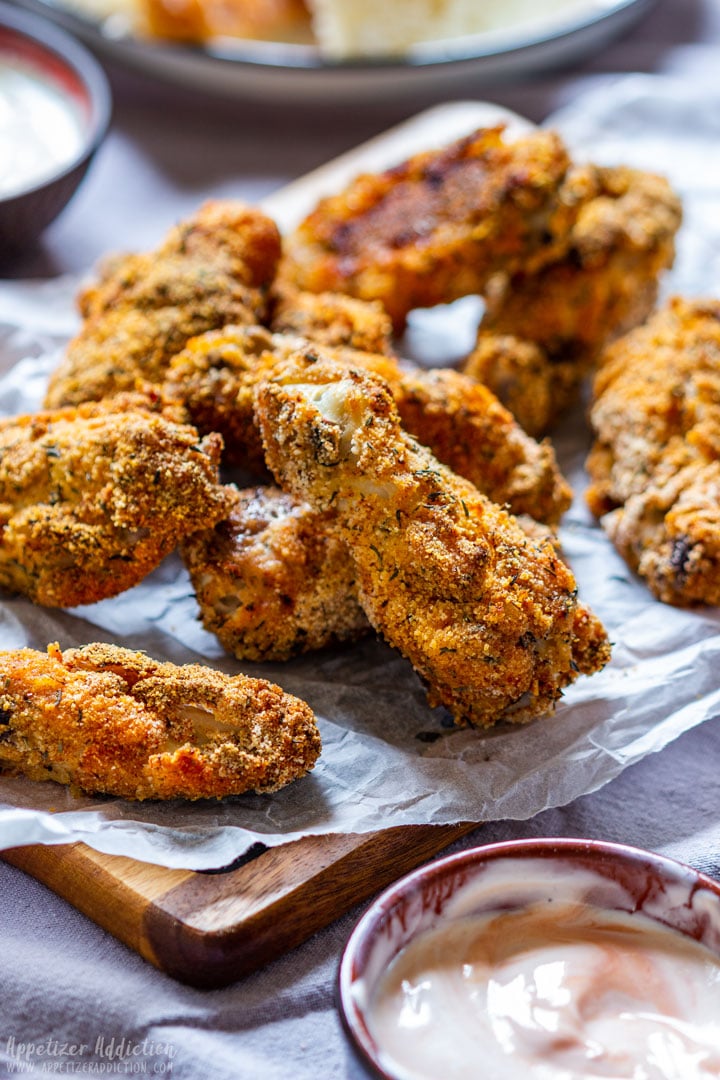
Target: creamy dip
x,y
552,991
40,128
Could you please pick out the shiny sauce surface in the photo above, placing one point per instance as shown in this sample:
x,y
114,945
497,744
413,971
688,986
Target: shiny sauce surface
x,y
40,127
553,991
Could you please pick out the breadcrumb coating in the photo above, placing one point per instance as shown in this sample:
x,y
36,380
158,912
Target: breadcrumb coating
x,y
488,617
110,721
272,580
441,224
334,320
91,500
214,380
655,464
213,269
471,431
542,332
465,425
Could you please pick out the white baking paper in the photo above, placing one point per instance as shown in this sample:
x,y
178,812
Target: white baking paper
x,y
387,758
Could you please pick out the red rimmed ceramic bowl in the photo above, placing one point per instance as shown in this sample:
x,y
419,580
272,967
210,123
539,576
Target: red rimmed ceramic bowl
x,y
507,879
54,112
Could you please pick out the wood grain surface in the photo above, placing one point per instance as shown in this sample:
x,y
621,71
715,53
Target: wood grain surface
x,y
209,930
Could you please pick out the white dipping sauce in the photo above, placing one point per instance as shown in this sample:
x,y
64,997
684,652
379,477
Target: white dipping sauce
x,y
552,991
40,128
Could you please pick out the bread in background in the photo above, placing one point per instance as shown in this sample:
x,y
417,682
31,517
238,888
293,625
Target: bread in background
x,y
346,29
342,29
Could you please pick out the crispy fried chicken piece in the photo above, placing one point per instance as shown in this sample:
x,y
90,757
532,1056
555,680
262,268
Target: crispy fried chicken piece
x,y
110,721
334,320
272,580
442,223
488,618
91,499
655,464
534,388
471,432
213,380
463,423
541,333
213,269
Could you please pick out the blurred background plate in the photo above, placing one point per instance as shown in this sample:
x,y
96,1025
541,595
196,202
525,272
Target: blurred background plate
x,y
278,71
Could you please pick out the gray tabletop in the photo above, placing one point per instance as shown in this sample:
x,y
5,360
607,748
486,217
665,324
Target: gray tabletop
x,y
65,982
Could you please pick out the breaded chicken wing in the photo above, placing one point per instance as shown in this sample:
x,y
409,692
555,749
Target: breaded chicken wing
x,y
333,319
488,617
465,426
463,423
272,580
442,223
213,269
471,432
541,333
655,464
92,499
110,721
213,378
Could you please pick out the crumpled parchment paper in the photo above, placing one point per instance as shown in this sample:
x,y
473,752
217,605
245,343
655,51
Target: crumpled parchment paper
x,y
387,758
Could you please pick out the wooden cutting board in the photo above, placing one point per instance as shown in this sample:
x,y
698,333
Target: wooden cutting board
x,y
210,929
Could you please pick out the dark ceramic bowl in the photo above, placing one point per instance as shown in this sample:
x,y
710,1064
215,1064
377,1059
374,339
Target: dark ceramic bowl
x,y
619,878
56,59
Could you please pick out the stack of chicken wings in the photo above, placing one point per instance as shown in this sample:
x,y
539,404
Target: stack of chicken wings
x,y
412,502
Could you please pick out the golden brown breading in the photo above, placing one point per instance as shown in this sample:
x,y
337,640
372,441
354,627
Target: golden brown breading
x,y
488,618
463,423
334,320
541,333
213,379
441,224
212,270
471,432
110,721
272,581
223,233
655,465
91,499
535,389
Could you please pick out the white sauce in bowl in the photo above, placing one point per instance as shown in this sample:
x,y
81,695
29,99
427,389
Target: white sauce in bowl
x,y
550,991
41,129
